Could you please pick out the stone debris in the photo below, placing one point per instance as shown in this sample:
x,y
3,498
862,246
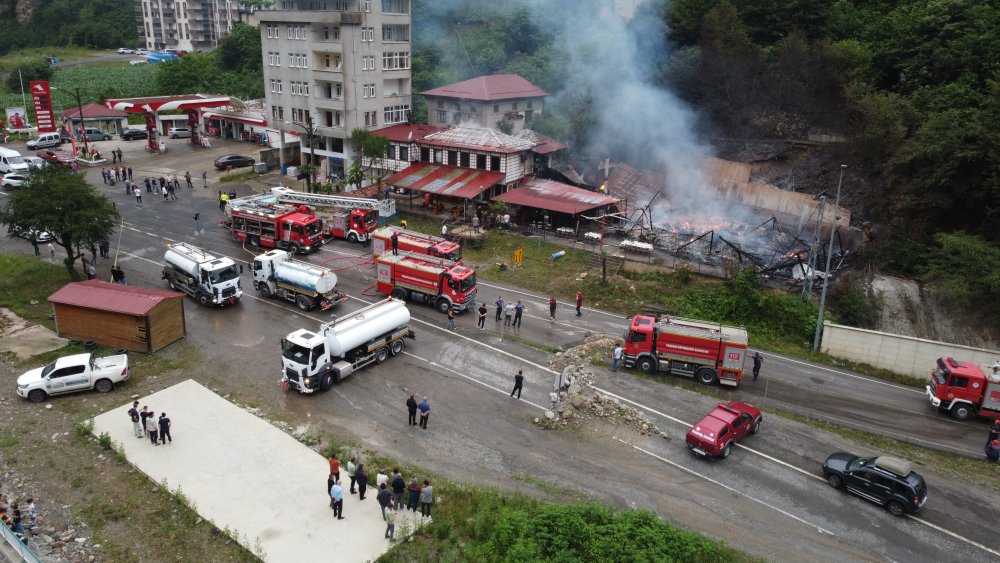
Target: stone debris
x,y
575,398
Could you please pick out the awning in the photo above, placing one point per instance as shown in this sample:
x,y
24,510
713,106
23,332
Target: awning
x,y
440,179
245,119
555,196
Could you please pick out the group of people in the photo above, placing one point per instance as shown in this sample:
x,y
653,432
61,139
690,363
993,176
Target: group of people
x,y
12,515
424,407
145,424
115,174
391,492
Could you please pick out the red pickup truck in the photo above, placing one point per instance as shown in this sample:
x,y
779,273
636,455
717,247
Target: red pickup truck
x,y
719,431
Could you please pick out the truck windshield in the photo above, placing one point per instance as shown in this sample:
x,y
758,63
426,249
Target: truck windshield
x,y
469,283
371,218
294,352
48,369
939,377
314,228
224,275
15,160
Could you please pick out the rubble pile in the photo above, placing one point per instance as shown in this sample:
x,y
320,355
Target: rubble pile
x,y
573,397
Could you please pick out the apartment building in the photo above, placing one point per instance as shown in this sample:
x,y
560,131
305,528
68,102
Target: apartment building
x,y
500,101
184,25
337,65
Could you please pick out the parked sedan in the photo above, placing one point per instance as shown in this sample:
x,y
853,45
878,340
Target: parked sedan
x,y
131,134
56,156
717,433
233,160
125,51
35,163
13,180
889,481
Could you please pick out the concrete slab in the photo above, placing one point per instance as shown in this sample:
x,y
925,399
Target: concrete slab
x,y
26,339
241,472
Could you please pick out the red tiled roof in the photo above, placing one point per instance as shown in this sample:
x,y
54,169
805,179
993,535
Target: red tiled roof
x,y
93,111
104,296
543,144
405,132
555,196
445,180
489,88
477,138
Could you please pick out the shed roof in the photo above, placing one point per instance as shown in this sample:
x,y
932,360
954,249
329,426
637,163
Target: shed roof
x,y
489,88
93,111
440,179
541,193
477,138
406,132
543,144
115,298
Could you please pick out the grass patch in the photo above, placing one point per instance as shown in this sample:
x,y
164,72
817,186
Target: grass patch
x,y
240,176
28,300
14,59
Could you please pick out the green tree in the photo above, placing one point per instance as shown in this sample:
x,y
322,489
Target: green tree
x,y
191,73
35,70
371,151
965,270
64,204
241,49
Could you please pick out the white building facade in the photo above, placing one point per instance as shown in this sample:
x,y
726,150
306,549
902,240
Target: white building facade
x,y
337,65
185,25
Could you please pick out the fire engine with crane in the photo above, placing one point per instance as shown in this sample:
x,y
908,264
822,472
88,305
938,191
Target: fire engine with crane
x,y
413,241
261,221
313,360
346,217
963,390
710,352
442,284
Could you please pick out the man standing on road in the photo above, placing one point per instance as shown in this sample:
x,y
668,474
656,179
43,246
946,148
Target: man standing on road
x,y
451,319
223,200
334,467
499,304
337,498
994,432
518,310
518,383
143,415
351,469
187,176
616,356
118,275
411,406
398,489
757,361
552,308
52,252
579,302
425,412
151,428
204,179
395,243
164,423
384,498
138,195
482,316
133,414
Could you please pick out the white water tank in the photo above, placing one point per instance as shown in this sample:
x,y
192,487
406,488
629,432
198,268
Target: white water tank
x,y
306,276
354,329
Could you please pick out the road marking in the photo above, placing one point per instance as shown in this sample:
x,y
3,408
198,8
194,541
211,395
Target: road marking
x,y
819,528
868,379
954,535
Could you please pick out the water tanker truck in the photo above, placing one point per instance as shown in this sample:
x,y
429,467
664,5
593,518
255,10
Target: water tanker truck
x,y
209,280
277,274
314,360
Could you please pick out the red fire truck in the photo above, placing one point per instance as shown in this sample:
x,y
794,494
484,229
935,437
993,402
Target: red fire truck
x,y
711,352
440,283
351,218
962,389
413,241
261,222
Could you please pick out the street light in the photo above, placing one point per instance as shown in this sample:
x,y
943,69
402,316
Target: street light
x,y
83,125
829,256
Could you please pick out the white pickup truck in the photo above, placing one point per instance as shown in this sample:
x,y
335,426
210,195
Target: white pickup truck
x,y
69,374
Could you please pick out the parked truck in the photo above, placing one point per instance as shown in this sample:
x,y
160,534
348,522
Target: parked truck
x,y
442,284
710,352
277,274
345,217
261,221
963,390
314,360
69,374
413,241
206,278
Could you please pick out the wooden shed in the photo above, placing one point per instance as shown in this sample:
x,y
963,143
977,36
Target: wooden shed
x,y
140,319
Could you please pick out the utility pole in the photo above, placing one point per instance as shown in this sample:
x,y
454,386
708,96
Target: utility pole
x,y
83,125
309,130
814,251
829,256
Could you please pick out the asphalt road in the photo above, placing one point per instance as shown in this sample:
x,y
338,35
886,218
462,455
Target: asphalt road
x,y
768,498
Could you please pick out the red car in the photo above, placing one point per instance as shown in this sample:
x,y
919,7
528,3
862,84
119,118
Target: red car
x,y
719,431
57,156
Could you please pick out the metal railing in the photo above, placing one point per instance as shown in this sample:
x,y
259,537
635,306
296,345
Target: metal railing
x,y
20,549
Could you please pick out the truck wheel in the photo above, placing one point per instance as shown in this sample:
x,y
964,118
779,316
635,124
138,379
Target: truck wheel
x,y
304,303
756,426
895,508
400,293
647,365
835,481
396,347
263,290
352,237
172,285
326,382
203,300
294,248
37,396
727,450
707,376
381,355
255,241
962,412
104,386
442,306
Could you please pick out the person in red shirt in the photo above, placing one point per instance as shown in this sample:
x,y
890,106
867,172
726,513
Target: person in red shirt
x,y
335,467
579,302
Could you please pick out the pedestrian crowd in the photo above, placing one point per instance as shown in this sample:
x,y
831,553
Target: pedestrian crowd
x,y
13,513
145,424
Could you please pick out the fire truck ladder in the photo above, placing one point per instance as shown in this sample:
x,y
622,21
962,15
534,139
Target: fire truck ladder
x,y
385,207
695,331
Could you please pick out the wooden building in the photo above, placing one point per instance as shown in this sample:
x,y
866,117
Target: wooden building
x,y
140,319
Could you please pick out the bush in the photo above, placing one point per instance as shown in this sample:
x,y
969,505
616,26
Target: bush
x,y
855,304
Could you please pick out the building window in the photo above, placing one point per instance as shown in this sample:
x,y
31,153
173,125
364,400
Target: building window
x,y
326,61
336,63
396,7
281,113
368,5
274,112
495,163
396,114
496,108
513,106
280,87
404,154
338,90
390,152
463,159
368,62
438,154
274,85
452,158
367,34
367,90
472,108
456,118
395,32
481,161
529,105
440,104
396,61
442,116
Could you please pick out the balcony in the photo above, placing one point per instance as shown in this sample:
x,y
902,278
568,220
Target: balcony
x,y
336,104
315,16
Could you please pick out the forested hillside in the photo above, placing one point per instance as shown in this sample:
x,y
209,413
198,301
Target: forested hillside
x,y
82,23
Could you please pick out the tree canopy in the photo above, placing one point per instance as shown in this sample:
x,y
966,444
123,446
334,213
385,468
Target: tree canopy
x,y
100,24
234,68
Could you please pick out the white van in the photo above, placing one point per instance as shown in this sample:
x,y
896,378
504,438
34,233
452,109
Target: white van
x,y
45,141
179,132
12,161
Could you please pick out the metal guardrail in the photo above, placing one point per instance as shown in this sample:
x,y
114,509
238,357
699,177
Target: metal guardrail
x,y
20,549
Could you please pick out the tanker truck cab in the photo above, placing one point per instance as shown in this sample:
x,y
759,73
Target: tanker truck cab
x,y
461,287
208,279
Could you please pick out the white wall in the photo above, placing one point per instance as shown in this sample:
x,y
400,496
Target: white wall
x,y
902,354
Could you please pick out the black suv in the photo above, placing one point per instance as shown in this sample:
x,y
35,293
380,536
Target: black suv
x,y
889,481
132,134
